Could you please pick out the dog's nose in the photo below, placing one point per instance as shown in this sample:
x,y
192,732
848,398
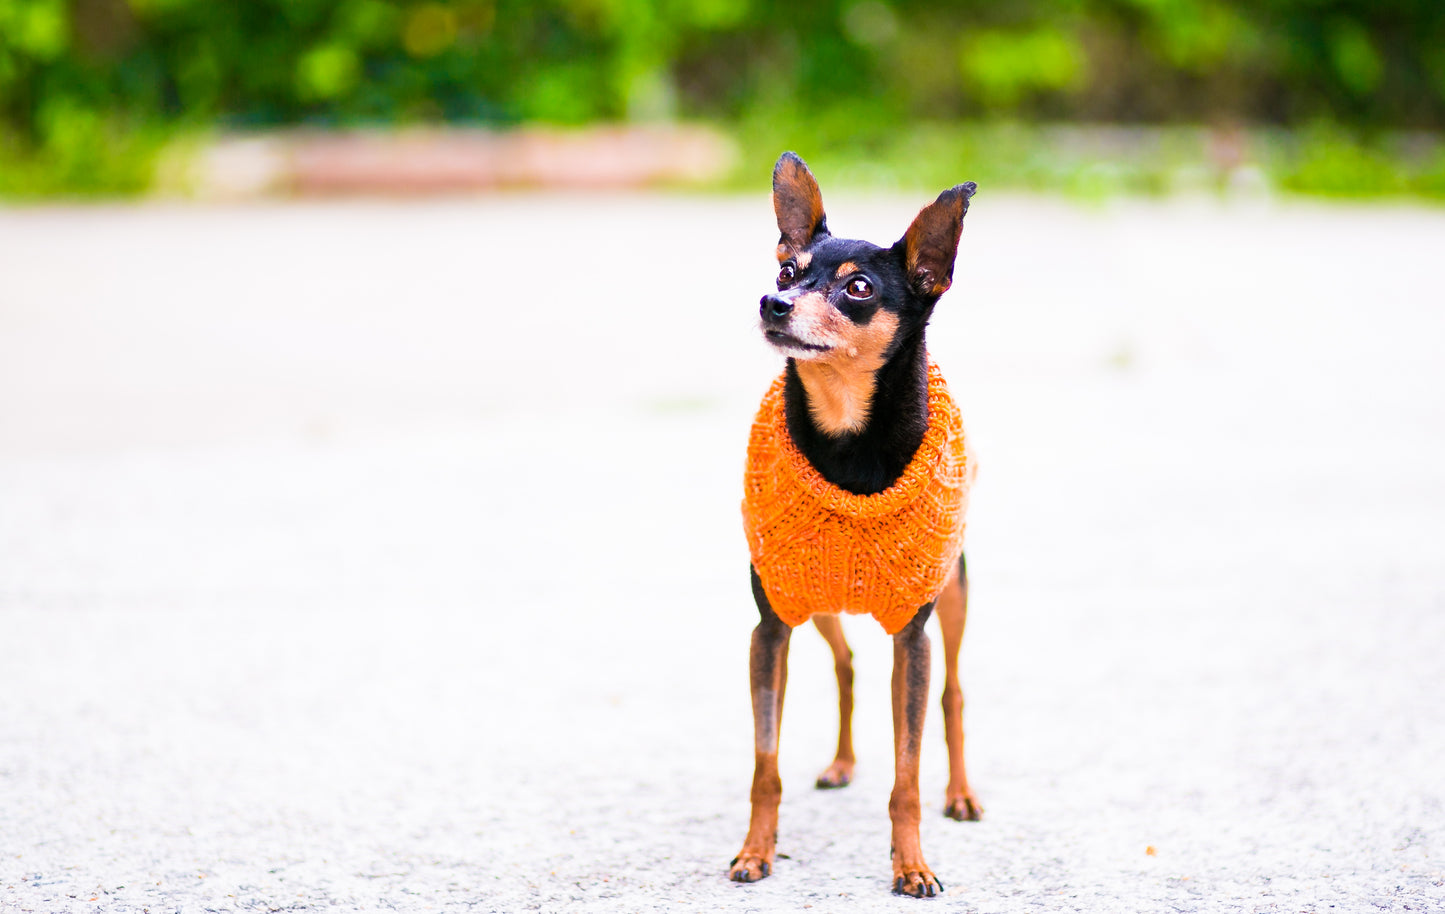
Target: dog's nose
x,y
774,307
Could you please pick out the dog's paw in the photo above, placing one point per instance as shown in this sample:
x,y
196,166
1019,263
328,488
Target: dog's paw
x,y
916,881
750,866
838,774
964,807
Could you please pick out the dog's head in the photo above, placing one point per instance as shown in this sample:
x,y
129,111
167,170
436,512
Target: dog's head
x,y
853,302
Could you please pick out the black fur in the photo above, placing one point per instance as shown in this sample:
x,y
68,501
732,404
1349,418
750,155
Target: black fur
x,y
870,460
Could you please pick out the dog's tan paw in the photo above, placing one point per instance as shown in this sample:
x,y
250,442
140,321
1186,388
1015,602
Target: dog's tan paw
x,y
750,866
916,881
838,774
964,807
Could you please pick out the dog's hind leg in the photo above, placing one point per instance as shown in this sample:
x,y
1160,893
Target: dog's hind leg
x,y
959,801
911,875
768,672
840,772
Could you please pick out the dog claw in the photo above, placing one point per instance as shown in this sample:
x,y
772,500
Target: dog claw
x,y
749,867
917,884
838,774
963,809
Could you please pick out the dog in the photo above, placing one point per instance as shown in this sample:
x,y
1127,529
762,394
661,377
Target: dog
x,y
855,492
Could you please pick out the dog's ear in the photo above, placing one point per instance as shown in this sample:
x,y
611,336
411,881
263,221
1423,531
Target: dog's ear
x,y
931,242
798,204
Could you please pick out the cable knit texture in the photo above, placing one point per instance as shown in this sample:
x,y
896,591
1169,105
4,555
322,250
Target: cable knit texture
x,y
821,549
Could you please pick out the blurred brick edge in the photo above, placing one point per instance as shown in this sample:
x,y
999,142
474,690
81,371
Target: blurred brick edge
x,y
444,160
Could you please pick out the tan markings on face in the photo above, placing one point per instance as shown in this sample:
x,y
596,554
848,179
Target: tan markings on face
x,y
802,258
845,268
839,383
812,320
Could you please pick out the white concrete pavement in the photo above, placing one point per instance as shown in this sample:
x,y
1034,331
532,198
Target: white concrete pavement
x,y
386,556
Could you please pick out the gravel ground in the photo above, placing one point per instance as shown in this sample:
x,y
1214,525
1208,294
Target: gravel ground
x,y
386,556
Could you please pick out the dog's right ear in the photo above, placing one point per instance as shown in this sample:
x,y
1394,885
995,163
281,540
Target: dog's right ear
x,y
931,243
798,204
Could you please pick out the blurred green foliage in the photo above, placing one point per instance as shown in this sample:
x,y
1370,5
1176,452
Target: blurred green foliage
x,y
1095,162
89,89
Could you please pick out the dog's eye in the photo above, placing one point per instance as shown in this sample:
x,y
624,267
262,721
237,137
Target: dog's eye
x,y
859,288
787,274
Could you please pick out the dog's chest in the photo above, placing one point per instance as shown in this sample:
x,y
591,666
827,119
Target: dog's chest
x,y
820,549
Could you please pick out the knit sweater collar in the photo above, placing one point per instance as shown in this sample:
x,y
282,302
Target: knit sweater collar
x,y
914,478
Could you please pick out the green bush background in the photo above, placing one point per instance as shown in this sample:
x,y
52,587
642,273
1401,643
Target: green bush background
x,y
1349,95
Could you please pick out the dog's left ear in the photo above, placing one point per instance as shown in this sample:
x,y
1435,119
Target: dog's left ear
x,y
931,243
798,204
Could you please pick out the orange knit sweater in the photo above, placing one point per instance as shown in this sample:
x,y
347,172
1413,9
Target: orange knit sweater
x,y
820,549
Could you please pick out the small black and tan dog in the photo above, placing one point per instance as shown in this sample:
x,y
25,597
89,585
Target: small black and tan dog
x,y
856,488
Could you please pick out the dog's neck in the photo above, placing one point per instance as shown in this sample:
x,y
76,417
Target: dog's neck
x,y
839,394
859,426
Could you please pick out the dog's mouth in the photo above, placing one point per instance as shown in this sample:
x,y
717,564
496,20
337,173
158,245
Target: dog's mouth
x,y
787,341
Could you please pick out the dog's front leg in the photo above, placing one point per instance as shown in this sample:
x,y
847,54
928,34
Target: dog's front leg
x,y
768,670
911,875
